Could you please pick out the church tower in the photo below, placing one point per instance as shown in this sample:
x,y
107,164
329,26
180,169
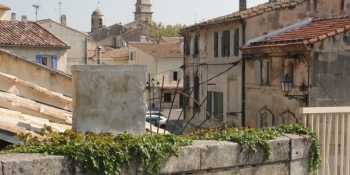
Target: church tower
x,y
97,20
143,11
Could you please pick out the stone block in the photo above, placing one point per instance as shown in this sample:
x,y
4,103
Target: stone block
x,y
188,160
321,68
34,164
280,149
336,67
299,167
109,98
300,146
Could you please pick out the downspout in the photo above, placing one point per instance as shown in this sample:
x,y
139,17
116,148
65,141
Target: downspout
x,y
184,77
243,122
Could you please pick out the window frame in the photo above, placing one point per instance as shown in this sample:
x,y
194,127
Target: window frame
x,y
167,97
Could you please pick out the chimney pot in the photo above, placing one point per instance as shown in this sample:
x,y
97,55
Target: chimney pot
x,y
24,18
13,16
242,5
63,19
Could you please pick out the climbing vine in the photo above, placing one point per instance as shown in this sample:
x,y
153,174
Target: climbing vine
x,y
104,153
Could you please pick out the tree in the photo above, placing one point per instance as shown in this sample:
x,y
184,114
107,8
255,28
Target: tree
x,y
160,30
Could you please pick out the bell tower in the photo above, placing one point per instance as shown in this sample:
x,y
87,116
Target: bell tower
x,y
143,11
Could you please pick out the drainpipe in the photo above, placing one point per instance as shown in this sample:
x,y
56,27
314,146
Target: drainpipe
x,y
243,122
184,77
99,48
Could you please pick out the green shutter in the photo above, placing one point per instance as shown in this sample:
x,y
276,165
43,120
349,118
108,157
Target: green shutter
x,y
227,43
219,106
209,103
223,38
236,42
216,44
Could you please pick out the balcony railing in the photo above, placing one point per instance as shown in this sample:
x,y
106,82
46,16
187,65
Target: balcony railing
x,y
332,126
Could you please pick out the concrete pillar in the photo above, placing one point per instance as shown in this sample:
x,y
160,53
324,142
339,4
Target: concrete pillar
x,y
242,5
13,16
63,19
109,98
24,18
99,54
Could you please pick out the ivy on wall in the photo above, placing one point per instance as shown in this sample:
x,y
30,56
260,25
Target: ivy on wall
x,y
104,153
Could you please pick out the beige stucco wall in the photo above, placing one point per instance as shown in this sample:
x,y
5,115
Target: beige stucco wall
x,y
31,72
3,14
110,61
31,52
76,40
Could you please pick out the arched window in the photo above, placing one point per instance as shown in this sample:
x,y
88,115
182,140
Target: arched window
x,y
100,23
196,90
257,71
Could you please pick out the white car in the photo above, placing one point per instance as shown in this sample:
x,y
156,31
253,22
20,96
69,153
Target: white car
x,y
156,118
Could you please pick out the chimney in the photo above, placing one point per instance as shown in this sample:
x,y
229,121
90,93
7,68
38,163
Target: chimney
x,y
99,54
13,16
63,19
242,5
24,18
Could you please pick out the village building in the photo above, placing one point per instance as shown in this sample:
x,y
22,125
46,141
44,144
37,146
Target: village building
x,y
32,41
164,61
75,39
312,58
214,67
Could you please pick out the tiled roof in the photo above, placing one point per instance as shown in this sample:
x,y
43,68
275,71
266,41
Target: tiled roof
x,y
117,53
248,13
50,20
20,33
316,31
4,7
172,39
162,50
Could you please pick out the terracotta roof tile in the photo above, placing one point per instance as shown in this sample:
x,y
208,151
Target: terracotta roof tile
x,y
19,33
3,7
161,50
172,39
316,31
117,53
248,13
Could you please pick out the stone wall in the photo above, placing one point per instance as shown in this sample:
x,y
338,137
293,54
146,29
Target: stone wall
x,y
289,157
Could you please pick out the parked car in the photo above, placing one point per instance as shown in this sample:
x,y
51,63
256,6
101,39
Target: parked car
x,y
156,118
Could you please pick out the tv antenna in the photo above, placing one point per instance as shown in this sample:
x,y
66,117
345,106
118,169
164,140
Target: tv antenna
x,y
36,11
97,4
59,10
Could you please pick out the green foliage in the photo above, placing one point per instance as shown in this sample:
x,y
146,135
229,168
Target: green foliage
x,y
105,153
160,30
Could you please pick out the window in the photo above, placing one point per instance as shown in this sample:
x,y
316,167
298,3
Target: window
x,y
167,97
196,91
187,90
188,45
262,72
103,62
196,46
45,60
216,44
100,23
225,43
215,105
236,42
175,74
132,55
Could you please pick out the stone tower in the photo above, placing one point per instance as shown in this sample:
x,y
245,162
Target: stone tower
x,y
97,20
143,11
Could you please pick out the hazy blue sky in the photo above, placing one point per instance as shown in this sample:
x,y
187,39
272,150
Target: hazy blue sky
x,y
166,11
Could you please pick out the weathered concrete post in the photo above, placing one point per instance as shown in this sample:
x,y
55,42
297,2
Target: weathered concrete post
x,y
109,98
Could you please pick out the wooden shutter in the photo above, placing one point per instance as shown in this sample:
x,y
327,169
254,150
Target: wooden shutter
x,y
219,106
196,91
236,42
257,69
216,44
39,59
187,90
223,44
54,61
227,43
258,120
209,103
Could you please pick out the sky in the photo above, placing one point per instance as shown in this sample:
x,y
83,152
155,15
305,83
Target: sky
x,y
79,12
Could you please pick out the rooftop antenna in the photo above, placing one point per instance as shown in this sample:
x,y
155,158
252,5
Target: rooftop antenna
x,y
195,18
36,11
59,10
97,4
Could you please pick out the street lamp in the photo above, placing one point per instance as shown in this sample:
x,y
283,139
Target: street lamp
x,y
287,85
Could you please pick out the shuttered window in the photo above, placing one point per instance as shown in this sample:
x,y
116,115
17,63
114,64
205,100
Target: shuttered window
x,y
54,61
196,46
187,90
188,45
225,43
215,105
257,69
236,42
196,91
216,44
39,59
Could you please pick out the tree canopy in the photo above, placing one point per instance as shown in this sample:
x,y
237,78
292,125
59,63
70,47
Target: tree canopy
x,y
161,30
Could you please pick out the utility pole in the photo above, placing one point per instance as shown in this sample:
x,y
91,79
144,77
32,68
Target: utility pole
x,y
36,11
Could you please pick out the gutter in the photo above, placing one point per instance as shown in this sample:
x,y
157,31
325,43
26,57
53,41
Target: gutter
x,y
204,24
